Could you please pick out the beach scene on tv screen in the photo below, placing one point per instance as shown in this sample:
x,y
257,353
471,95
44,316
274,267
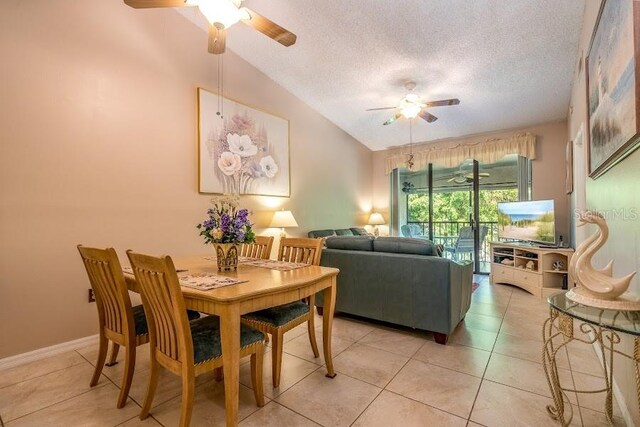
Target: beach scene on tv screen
x,y
531,221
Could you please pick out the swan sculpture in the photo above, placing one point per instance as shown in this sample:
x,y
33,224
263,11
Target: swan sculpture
x,y
607,270
596,283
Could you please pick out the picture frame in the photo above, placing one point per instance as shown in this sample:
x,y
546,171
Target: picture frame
x,y
241,149
612,74
569,171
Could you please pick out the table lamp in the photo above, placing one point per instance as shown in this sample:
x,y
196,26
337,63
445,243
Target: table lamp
x,y
376,219
282,219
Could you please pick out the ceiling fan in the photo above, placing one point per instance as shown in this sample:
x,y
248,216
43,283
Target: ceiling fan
x,y
222,14
463,176
412,106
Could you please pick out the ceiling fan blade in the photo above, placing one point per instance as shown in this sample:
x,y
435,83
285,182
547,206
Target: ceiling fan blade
x,y
381,108
146,4
269,28
480,175
425,115
442,103
392,119
217,40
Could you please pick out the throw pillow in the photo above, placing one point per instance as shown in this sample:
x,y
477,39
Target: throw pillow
x,y
360,232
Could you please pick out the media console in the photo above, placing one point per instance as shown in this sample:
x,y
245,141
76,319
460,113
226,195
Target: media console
x,y
540,271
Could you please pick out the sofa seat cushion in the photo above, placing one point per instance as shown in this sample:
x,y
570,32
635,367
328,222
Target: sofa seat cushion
x,y
141,321
404,245
351,243
205,334
280,315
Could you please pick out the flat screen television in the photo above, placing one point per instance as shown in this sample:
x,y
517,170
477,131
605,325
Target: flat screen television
x,y
531,221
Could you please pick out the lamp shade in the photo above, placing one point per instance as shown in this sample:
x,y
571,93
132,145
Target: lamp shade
x,y
283,219
376,219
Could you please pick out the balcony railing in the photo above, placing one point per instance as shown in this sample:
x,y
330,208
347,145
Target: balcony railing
x,y
446,233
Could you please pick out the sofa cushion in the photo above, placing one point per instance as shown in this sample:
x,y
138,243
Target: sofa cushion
x,y
360,232
404,245
321,233
344,232
351,243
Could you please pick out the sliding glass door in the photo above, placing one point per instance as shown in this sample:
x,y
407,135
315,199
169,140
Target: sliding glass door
x,y
456,207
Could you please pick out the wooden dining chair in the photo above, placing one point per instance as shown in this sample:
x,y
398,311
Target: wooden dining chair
x,y
185,348
119,322
261,248
276,321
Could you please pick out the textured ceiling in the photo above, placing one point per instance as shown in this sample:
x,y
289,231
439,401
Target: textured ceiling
x,y
509,62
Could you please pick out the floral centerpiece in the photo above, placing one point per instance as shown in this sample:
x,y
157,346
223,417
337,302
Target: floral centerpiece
x,y
226,227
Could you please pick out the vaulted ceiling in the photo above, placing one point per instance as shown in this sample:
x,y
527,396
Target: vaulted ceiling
x,y
510,63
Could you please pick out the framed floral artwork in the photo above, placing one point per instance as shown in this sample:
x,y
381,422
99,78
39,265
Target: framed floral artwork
x,y
613,85
241,150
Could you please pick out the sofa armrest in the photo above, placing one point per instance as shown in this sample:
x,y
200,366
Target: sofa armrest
x,y
461,280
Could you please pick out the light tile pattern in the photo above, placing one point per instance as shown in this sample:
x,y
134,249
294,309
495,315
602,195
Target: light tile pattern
x,y
489,374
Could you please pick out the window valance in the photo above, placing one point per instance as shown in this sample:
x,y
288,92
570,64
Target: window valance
x,y
488,151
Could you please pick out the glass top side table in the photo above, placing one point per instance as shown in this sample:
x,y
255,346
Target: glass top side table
x,y
596,326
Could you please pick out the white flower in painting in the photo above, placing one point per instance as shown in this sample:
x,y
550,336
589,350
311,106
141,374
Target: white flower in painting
x,y
241,145
229,163
269,166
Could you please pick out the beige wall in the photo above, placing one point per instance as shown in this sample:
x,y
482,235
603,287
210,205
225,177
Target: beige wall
x,y
616,195
548,173
98,146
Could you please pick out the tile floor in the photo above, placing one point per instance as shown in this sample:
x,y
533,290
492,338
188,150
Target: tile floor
x,y
489,374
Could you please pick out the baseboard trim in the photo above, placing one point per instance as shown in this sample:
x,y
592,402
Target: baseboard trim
x,y
43,353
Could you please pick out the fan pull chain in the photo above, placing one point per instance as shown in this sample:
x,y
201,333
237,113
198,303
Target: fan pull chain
x,y
218,84
221,92
410,159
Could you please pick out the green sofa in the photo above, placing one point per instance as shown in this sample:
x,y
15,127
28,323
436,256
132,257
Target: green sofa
x,y
399,280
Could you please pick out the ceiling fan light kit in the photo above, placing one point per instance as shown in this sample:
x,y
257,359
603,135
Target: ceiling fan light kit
x,y
412,106
222,14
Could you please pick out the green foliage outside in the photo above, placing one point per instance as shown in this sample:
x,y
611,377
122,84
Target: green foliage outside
x,y
455,206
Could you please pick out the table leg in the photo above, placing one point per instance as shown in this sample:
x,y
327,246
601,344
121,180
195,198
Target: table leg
x,y
327,324
549,351
230,340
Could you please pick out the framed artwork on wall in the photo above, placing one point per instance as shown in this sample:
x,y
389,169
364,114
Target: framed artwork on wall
x,y
569,172
613,85
241,149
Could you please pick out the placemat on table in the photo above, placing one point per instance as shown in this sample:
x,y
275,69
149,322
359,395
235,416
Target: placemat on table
x,y
207,281
273,264
201,281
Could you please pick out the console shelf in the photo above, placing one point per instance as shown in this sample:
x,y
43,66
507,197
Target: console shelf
x,y
530,267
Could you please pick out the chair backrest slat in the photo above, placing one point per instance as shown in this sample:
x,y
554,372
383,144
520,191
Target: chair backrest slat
x,y
109,287
164,305
300,250
261,248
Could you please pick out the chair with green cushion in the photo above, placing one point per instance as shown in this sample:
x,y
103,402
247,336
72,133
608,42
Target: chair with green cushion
x,y
119,322
185,348
278,320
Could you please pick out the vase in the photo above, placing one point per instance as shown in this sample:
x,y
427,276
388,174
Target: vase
x,y
226,255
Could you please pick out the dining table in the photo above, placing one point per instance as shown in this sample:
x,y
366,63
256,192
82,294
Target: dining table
x,y
259,288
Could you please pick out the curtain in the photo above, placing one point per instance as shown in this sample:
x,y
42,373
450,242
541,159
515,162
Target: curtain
x,y
488,151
